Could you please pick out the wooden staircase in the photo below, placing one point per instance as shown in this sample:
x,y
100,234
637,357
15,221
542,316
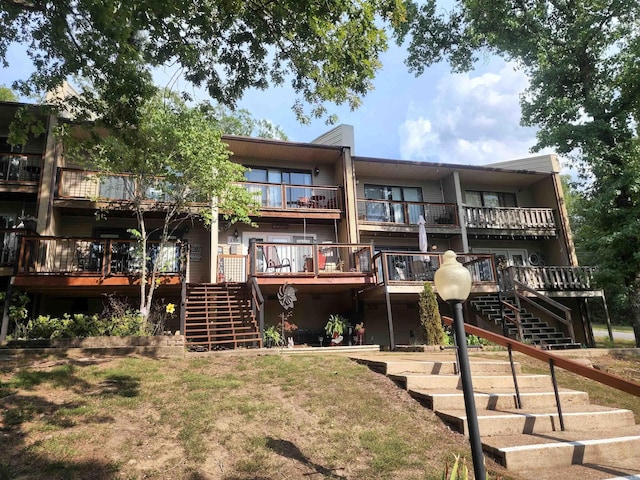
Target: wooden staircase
x,y
597,442
534,330
219,317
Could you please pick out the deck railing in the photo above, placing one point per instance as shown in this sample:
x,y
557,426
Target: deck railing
x,y
20,168
309,259
102,257
509,218
550,278
407,213
401,267
90,185
293,197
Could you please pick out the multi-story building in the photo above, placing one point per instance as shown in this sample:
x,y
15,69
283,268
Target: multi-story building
x,y
342,230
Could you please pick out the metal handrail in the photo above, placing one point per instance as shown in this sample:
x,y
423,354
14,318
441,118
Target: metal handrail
x,y
599,376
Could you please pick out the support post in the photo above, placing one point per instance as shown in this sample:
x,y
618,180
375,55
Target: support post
x,y
557,394
392,344
467,390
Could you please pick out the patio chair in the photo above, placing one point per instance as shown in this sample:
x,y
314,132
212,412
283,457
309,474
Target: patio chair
x,y
273,259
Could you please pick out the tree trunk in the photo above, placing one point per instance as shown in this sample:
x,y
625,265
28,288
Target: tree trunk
x,y
634,301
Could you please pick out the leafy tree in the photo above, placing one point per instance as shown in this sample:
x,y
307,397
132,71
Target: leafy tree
x,y
581,60
7,95
329,51
240,122
430,316
176,164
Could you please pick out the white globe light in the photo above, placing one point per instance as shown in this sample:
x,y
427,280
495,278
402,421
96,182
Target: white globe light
x,y
452,280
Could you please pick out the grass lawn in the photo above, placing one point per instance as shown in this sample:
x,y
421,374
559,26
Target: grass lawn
x,y
219,417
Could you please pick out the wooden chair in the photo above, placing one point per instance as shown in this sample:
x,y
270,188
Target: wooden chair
x,y
273,259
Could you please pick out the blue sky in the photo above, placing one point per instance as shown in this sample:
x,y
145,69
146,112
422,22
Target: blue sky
x,y
471,118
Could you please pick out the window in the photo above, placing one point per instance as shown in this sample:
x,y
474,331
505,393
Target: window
x,y
272,195
490,199
390,208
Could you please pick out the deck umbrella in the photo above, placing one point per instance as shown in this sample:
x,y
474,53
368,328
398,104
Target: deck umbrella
x,y
422,235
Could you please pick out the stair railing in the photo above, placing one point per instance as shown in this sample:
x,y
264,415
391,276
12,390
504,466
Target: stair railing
x,y
511,313
257,305
553,360
567,311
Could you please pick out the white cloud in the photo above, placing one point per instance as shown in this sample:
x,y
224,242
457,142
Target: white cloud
x,y
471,120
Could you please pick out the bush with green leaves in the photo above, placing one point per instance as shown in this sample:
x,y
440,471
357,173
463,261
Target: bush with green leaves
x,y
430,316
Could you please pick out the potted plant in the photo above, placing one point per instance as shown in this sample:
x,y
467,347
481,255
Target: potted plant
x,y
336,327
272,337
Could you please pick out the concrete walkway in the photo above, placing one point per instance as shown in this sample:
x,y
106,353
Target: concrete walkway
x,y
617,335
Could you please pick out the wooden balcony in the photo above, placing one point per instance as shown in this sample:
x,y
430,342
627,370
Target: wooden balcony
x,y
284,200
509,220
408,267
57,262
326,264
555,281
386,213
20,173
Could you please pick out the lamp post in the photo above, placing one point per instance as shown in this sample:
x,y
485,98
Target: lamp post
x,y
453,284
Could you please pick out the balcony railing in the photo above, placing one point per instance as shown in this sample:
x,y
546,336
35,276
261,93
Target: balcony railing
x,y
293,197
101,257
310,259
10,245
509,218
407,213
88,185
402,267
20,168
550,278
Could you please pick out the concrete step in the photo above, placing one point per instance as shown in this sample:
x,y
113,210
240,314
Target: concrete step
x,y
562,449
499,400
612,469
540,420
482,383
439,368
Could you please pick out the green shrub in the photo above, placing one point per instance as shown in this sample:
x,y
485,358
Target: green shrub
x,y
430,316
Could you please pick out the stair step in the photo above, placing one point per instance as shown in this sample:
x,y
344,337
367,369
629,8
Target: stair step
x,y
480,382
499,399
562,449
409,367
540,420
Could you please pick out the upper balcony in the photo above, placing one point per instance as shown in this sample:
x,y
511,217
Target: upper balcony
x,y
510,221
285,200
20,173
386,214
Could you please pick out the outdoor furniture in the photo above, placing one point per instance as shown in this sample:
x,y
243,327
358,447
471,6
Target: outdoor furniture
x,y
273,260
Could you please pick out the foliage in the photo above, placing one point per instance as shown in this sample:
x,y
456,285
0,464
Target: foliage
x,y
118,319
583,96
336,325
80,325
7,95
176,165
329,50
273,337
430,316
459,470
240,122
